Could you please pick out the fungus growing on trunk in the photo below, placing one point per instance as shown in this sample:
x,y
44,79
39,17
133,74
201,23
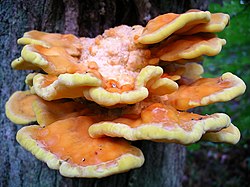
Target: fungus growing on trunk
x,y
217,23
67,146
189,47
230,134
49,112
131,82
205,91
19,107
165,25
161,123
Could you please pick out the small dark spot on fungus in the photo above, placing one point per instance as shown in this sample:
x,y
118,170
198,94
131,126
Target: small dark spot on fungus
x,y
192,119
96,153
200,118
83,159
131,105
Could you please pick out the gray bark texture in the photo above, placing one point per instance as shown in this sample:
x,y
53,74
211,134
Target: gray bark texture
x,y
164,162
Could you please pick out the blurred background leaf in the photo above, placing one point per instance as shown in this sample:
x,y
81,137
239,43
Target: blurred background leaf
x,y
235,58
221,164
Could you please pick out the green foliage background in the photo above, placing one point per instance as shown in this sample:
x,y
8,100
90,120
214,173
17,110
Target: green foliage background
x,y
235,58
211,164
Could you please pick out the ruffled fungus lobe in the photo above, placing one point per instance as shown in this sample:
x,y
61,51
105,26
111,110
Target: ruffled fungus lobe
x,y
21,64
231,135
54,60
19,107
148,81
189,47
130,82
193,72
130,64
69,42
67,146
217,24
49,112
163,26
185,73
161,123
205,91
53,53
51,87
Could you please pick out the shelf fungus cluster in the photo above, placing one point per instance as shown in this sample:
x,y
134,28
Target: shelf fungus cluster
x,y
88,98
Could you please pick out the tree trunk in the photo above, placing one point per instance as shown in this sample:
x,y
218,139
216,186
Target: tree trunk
x,y
164,162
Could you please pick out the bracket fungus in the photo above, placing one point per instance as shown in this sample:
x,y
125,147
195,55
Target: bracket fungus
x,y
91,96
205,91
67,146
189,47
230,134
161,123
19,107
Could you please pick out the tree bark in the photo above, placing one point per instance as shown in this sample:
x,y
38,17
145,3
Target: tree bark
x,y
164,162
